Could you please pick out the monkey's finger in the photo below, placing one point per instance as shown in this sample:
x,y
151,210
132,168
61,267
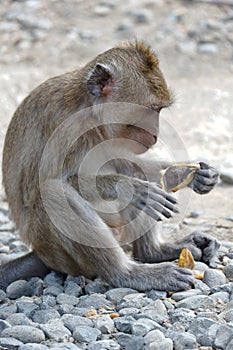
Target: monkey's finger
x,y
152,213
211,173
206,180
165,203
164,194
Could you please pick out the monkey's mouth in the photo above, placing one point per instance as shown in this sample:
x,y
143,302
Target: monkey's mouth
x,y
141,136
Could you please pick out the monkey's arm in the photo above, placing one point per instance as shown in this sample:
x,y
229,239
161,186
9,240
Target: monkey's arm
x,y
143,195
202,180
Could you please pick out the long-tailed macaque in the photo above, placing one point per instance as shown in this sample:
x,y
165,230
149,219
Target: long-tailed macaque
x,y
64,219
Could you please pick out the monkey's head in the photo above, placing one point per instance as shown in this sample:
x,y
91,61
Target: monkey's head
x,y
130,73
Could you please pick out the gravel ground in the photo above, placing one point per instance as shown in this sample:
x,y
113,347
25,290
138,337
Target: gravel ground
x,y
194,41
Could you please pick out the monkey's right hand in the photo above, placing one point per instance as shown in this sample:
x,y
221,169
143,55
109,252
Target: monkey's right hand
x,y
146,196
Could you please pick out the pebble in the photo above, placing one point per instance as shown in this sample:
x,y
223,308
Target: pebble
x,y
196,302
54,329
226,176
143,326
207,48
183,295
124,324
43,316
94,301
67,299
183,340
65,346
86,334
183,316
19,288
105,324
33,346
228,271
19,319
96,286
10,343
73,321
141,16
130,342
213,277
25,334
117,294
104,345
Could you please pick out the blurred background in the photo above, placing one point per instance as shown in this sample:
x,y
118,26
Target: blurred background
x,y
193,40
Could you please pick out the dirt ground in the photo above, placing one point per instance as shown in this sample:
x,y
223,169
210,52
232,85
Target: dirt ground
x,y
194,42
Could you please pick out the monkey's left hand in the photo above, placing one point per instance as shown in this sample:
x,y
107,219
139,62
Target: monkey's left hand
x,y
205,179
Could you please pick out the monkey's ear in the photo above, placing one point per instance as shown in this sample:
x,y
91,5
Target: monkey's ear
x,y
99,82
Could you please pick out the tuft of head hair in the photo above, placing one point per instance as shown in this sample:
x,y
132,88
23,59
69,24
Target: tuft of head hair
x,y
144,52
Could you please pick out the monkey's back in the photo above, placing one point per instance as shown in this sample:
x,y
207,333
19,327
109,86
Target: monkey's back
x,y
29,130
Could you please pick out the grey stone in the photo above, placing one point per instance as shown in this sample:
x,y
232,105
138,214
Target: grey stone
x,y
228,287
207,48
230,345
200,266
188,48
6,310
226,176
96,286
53,278
79,280
227,315
125,25
156,294
105,324
19,319
155,340
124,324
67,299
195,213
128,311
153,336
37,285
43,316
53,290
94,301
183,316
33,346
48,300
198,284
141,15
117,294
86,334
18,288
155,311
72,321
137,300
228,271
200,328
214,278
104,345
67,309
130,342
220,296
26,307
4,325
196,302
25,334
73,288
165,344
54,329
2,295
185,341
10,343
143,326
65,346
223,336
185,294
208,314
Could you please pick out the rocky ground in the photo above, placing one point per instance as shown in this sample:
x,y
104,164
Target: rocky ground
x,y
194,42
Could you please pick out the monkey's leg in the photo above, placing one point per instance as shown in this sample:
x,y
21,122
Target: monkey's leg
x,y
150,248
29,265
92,246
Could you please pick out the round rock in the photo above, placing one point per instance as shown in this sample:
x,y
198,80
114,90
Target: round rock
x,y
26,334
19,288
214,278
86,334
